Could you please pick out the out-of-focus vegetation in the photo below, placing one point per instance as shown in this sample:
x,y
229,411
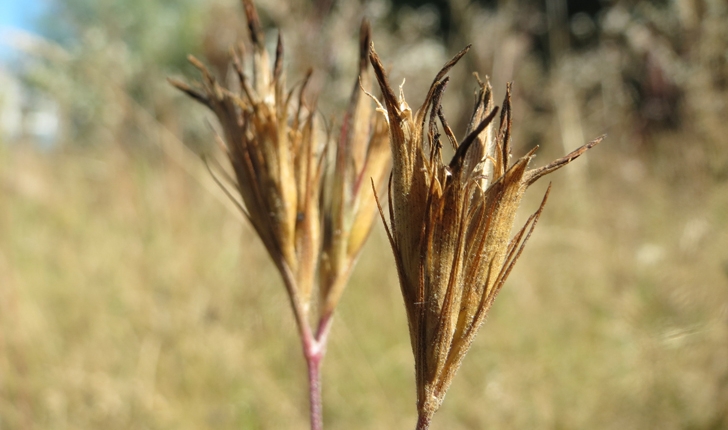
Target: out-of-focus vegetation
x,y
130,297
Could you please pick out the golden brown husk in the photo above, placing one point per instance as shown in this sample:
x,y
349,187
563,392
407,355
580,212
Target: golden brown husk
x,y
312,223
449,224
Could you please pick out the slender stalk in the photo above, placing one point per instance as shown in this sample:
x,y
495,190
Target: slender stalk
x,y
423,422
314,352
313,361
314,348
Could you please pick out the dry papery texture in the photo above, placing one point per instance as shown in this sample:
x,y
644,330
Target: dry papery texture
x,y
312,219
449,224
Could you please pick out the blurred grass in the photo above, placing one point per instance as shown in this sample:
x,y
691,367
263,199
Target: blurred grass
x,y
130,298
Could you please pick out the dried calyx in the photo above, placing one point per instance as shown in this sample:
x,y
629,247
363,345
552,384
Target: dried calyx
x,y
312,218
450,224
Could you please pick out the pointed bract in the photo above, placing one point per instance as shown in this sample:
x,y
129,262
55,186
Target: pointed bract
x,y
450,224
362,154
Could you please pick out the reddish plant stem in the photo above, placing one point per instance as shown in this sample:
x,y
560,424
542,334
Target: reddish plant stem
x,y
314,347
423,422
314,350
314,390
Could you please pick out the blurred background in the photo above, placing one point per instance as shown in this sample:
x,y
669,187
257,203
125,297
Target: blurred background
x,y
133,296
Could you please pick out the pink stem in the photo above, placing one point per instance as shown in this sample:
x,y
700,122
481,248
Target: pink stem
x,y
423,422
314,350
314,347
314,389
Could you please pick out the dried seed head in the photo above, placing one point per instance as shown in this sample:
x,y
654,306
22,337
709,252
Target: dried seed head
x,y
311,225
270,138
449,224
362,155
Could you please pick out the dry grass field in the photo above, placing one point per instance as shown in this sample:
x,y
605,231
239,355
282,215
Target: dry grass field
x,y
130,298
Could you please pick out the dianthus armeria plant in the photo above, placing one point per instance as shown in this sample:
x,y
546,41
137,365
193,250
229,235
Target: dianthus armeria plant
x,y
450,224
312,215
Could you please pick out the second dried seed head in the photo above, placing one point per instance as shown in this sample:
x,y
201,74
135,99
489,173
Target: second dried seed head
x,y
450,224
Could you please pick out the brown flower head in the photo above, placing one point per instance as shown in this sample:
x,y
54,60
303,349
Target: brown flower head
x,y
270,140
313,226
449,224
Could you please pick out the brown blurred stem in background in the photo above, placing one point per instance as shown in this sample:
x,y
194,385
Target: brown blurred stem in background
x,y
449,224
312,221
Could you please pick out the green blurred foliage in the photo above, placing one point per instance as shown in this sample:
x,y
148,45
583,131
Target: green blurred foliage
x,y
638,70
111,61
159,33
